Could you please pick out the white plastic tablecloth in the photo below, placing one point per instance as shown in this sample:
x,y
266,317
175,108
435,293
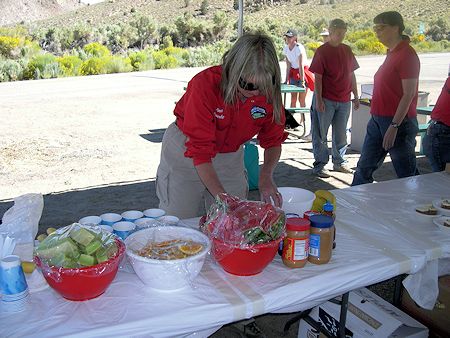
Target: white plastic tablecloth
x,y
378,237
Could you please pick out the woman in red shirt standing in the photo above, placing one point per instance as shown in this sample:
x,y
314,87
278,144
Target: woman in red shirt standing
x,y
393,126
436,143
223,107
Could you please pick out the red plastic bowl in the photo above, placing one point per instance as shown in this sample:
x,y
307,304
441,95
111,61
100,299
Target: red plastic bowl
x,y
83,283
244,262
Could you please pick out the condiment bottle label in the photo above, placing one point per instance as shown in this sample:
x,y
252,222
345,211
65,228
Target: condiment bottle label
x,y
314,245
297,249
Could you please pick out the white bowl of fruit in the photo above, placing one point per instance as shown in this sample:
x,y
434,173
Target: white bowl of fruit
x,y
168,257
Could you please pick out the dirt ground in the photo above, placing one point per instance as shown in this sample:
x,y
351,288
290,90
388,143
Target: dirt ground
x,y
91,145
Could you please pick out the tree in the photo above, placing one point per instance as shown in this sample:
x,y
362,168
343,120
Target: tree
x,y
145,28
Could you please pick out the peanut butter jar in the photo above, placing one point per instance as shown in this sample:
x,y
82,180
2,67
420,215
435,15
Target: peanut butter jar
x,y
296,242
321,239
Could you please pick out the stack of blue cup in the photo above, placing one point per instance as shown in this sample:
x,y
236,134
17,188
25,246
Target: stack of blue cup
x,y
13,285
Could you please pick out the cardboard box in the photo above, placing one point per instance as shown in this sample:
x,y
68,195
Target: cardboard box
x,y
368,316
438,319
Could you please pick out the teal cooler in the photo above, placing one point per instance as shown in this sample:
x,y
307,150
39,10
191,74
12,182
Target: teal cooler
x,y
251,163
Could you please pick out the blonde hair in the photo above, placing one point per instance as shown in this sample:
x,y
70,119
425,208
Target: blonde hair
x,y
253,56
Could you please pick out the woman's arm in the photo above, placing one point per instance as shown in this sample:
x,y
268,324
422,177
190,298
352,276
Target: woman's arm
x,y
288,68
209,177
267,187
409,91
300,67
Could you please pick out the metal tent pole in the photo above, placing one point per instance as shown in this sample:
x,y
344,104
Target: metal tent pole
x,y
241,18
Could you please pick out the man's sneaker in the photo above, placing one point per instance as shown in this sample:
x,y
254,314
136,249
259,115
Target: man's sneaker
x,y
322,173
342,169
307,138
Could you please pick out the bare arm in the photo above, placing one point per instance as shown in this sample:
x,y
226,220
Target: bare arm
x,y
267,187
300,67
288,68
320,106
409,91
355,92
209,177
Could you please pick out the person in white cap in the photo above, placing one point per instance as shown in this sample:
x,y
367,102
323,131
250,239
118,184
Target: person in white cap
x,y
296,60
325,35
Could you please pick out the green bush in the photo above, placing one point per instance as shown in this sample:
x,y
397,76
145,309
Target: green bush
x,y
164,61
69,64
180,54
8,44
93,66
10,70
96,50
43,66
141,61
118,64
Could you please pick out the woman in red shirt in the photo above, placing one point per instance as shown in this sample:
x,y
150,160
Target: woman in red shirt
x,y
223,107
393,126
436,143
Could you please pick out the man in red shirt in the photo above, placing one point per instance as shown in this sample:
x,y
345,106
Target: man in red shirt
x,y
436,143
393,126
333,66
223,107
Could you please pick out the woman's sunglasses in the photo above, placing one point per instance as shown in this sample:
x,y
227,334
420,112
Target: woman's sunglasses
x,y
251,86
247,85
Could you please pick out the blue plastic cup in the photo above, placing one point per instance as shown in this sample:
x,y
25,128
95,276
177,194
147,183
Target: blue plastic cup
x,y
110,218
12,278
132,215
154,213
123,229
93,220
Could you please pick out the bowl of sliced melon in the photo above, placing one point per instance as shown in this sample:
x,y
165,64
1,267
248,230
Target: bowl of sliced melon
x,y
167,258
79,261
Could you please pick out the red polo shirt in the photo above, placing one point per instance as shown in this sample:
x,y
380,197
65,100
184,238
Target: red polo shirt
x,y
441,111
213,127
401,63
336,65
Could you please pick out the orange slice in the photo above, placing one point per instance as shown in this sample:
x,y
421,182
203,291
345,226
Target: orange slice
x,y
190,249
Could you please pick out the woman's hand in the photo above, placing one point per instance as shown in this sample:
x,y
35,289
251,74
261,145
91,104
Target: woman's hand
x,y
268,191
267,188
389,138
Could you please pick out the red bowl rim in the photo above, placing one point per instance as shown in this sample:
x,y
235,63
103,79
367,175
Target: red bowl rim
x,y
120,252
256,246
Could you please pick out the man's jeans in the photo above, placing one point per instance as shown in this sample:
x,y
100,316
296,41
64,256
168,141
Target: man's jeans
x,y
403,154
436,145
336,114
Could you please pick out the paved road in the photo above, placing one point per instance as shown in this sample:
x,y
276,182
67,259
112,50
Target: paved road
x,y
70,133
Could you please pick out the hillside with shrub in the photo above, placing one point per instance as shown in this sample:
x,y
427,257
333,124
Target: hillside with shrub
x,y
124,35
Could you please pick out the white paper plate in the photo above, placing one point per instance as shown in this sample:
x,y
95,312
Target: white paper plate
x,y
439,221
437,204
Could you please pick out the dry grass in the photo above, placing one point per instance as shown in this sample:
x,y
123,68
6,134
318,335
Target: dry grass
x,y
288,12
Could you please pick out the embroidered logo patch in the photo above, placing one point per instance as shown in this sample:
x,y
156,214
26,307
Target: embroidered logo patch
x,y
258,112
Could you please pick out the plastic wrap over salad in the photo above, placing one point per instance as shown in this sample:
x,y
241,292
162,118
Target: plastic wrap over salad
x,y
242,222
77,246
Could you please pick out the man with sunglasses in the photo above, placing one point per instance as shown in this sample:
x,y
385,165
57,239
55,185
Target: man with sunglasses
x,y
333,66
223,107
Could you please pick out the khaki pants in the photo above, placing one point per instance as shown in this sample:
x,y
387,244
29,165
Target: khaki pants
x,y
180,191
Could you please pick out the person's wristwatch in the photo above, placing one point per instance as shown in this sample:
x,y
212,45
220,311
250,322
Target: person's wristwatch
x,y
395,125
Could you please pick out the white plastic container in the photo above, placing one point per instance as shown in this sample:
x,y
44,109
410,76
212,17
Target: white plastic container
x,y
296,200
166,275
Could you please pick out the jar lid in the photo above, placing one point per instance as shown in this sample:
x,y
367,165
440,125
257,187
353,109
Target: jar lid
x,y
309,213
328,206
321,221
297,224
